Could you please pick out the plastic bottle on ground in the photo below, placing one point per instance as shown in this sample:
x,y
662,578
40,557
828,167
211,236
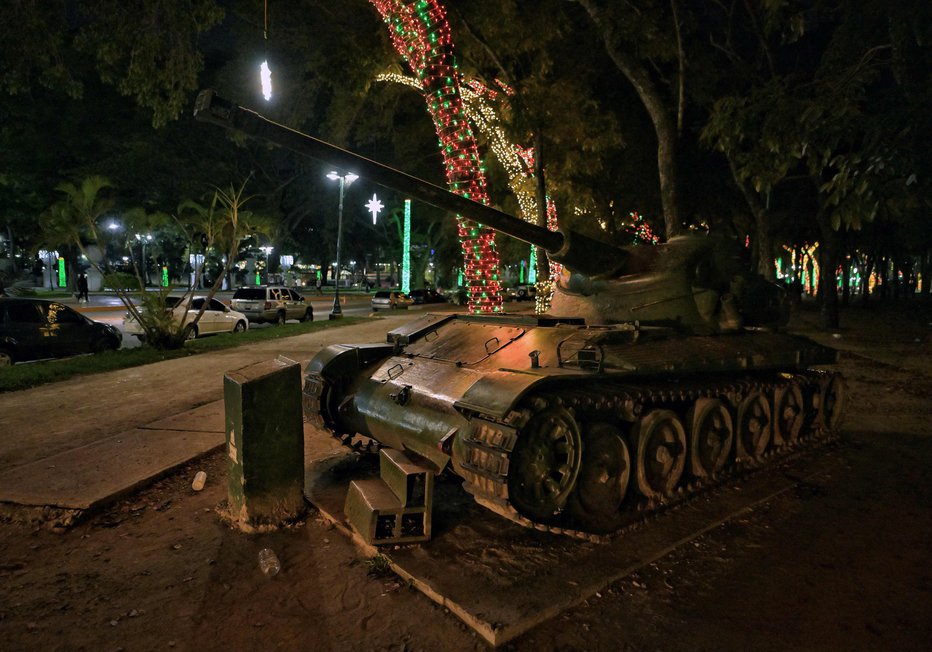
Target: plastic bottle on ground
x,y
268,562
200,479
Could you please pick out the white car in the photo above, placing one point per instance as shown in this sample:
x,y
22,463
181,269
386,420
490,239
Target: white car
x,y
389,300
217,318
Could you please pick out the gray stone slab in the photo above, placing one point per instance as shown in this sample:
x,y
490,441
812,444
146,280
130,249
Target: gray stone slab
x,y
502,579
93,475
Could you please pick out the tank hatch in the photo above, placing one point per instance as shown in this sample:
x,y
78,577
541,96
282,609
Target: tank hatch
x,y
464,342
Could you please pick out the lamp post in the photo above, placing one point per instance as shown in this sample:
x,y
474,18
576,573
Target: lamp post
x,y
268,250
345,180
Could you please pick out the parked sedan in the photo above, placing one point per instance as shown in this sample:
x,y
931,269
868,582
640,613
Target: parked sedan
x,y
33,329
217,318
388,299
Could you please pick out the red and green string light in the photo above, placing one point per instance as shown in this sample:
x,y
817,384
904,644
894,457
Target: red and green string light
x,y
421,34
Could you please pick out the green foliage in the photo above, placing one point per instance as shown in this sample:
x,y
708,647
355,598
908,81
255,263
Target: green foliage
x,y
149,50
34,43
162,330
74,219
812,115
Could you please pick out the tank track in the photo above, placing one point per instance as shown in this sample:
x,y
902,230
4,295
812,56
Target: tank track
x,y
493,448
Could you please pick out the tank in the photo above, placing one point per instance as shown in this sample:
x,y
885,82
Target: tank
x,y
659,371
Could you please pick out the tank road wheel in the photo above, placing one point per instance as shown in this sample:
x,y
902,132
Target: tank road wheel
x,y
753,427
603,479
788,414
544,464
711,436
832,405
661,453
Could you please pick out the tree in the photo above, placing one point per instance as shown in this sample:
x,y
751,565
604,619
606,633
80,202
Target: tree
x,y
812,123
646,45
222,225
421,34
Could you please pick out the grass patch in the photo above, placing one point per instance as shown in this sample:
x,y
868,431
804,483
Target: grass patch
x,y
378,566
32,374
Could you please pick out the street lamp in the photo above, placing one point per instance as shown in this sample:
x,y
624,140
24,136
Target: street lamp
x,y
344,180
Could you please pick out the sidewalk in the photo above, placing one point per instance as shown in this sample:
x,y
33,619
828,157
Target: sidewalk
x,y
81,443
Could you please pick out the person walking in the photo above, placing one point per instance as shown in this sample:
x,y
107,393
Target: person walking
x,y
82,287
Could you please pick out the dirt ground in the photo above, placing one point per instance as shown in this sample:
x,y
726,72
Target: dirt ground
x,y
842,562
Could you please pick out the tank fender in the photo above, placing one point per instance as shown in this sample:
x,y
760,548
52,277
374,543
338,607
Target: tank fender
x,y
496,392
341,360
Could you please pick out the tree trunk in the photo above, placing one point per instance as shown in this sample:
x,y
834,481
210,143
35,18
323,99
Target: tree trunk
x,y
762,250
828,283
925,269
660,114
882,279
14,268
845,282
412,31
542,263
868,270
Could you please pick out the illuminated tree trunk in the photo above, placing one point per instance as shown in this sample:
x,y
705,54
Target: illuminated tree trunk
x,y
421,34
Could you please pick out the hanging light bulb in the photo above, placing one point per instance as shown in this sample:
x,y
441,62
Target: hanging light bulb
x,y
265,73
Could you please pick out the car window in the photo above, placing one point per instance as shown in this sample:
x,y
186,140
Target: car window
x,y
251,294
294,295
24,313
197,303
61,314
217,305
383,294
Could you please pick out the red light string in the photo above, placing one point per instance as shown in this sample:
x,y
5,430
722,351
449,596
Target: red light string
x,y
421,34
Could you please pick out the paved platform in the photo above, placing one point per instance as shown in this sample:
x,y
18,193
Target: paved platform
x,y
88,477
502,579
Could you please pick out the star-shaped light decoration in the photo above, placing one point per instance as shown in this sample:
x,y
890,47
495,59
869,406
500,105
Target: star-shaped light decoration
x,y
374,206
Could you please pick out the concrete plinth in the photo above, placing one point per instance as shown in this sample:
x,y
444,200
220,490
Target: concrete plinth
x,y
265,443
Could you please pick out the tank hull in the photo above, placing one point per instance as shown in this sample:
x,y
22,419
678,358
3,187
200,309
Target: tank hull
x,y
552,422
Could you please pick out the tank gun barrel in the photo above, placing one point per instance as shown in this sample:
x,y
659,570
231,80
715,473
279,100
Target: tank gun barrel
x,y
577,251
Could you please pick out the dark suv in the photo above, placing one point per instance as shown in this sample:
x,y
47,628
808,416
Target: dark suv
x,y
271,303
32,329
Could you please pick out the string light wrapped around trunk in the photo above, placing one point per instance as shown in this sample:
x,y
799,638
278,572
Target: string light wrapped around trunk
x,y
421,34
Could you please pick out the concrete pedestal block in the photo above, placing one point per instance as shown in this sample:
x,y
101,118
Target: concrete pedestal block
x,y
396,507
265,443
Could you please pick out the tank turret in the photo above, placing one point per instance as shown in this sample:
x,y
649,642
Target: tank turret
x,y
651,379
